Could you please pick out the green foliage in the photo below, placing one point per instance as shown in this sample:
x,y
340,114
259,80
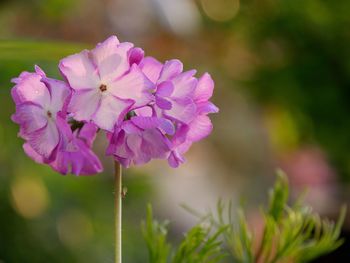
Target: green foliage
x,y
201,244
155,234
291,234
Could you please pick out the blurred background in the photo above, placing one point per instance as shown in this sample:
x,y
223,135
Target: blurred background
x,y
282,74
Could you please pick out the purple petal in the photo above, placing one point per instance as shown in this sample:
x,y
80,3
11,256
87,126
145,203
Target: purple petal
x,y
136,55
154,123
163,103
171,69
206,107
165,89
175,159
151,68
154,144
88,133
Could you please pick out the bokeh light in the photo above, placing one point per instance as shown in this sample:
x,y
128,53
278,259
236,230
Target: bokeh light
x,y
30,197
74,228
220,10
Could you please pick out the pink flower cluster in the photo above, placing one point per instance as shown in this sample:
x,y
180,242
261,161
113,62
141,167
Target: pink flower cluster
x,y
148,110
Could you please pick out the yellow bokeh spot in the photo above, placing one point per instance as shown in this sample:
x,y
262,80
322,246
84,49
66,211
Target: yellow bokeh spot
x,y
220,10
74,228
282,129
30,197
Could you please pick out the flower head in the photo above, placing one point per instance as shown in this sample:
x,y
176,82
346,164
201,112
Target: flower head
x,y
104,80
38,100
149,110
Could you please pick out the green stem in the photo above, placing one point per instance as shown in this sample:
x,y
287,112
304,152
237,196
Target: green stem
x,y
118,212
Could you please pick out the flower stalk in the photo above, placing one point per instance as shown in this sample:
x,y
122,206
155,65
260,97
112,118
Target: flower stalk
x,y
118,211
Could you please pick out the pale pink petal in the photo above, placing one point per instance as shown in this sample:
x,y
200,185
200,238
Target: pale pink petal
x,y
111,59
184,84
184,110
204,89
31,117
151,68
59,92
44,140
111,110
134,142
134,85
146,111
170,69
30,88
200,128
84,104
32,154
80,71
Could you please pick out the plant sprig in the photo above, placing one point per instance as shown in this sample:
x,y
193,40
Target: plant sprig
x,y
292,233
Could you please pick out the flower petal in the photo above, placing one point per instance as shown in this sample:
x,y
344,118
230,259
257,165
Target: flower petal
x,y
182,110
170,69
111,110
30,88
30,117
184,84
59,92
154,123
32,154
163,103
151,68
134,85
204,89
165,89
79,71
135,55
84,104
111,59
44,140
154,144
200,128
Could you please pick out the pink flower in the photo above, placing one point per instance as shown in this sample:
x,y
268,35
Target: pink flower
x,y
74,154
200,126
183,99
105,86
174,89
150,110
140,139
38,100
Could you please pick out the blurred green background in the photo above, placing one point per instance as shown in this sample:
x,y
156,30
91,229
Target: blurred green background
x,y
282,74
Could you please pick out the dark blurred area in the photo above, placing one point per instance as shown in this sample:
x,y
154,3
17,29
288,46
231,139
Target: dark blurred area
x,y
282,74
